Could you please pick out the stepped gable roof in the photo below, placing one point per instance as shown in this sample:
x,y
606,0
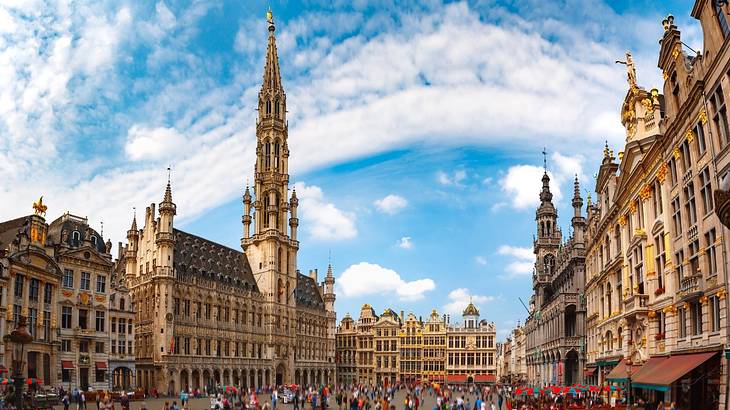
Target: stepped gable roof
x,y
194,255
71,223
9,230
307,293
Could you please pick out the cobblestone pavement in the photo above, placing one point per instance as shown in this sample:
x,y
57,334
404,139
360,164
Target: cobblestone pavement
x,y
204,403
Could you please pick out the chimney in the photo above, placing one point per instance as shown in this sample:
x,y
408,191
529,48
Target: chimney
x,y
313,274
119,250
401,316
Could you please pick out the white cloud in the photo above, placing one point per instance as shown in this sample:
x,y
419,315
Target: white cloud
x,y
459,299
323,219
454,179
405,243
523,183
480,260
365,278
64,78
153,143
522,261
391,204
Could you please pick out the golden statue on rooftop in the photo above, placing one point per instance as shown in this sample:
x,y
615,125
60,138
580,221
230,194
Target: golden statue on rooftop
x,y
39,207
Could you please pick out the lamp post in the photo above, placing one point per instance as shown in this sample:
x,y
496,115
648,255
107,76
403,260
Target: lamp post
x,y
629,364
20,337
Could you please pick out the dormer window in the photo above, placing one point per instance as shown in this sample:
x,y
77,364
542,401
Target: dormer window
x,y
93,239
76,237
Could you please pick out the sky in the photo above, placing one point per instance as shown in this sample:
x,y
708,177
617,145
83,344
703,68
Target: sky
x,y
416,128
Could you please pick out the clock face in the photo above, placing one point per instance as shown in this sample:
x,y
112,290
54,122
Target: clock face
x,y
168,317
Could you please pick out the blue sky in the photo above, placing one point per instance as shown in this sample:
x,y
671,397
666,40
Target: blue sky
x,y
416,128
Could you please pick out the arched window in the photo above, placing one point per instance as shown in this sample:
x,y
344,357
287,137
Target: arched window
x,y
620,338
267,153
76,237
608,298
93,239
266,211
609,340
121,304
276,154
278,260
276,107
268,107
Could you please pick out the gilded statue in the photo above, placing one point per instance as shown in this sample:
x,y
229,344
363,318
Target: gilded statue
x,y
40,207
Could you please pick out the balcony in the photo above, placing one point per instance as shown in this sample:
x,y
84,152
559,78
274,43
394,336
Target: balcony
x,y
636,303
690,286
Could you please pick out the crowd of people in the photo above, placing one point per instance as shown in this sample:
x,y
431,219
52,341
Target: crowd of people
x,y
370,397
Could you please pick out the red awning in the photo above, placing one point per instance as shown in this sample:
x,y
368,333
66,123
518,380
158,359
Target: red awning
x,y
620,373
485,378
667,371
101,365
67,364
590,371
456,378
649,366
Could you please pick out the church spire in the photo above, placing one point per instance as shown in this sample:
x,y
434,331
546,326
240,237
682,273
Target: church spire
x,y
272,75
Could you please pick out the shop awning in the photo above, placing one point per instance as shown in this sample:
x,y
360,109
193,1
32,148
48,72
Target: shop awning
x,y
620,373
456,378
100,365
648,367
589,371
662,375
67,364
485,378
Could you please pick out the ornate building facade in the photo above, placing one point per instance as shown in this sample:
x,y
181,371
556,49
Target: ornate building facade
x,y
657,267
86,265
555,329
57,276
207,314
390,348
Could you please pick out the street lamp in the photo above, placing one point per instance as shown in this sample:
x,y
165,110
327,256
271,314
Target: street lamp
x,y
628,387
20,337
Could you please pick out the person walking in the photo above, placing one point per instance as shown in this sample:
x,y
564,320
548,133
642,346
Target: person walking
x,y
65,400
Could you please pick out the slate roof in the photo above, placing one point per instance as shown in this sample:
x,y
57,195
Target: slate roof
x,y
194,255
9,230
71,224
307,293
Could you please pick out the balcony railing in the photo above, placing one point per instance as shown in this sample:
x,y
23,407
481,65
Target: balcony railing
x,y
636,302
690,284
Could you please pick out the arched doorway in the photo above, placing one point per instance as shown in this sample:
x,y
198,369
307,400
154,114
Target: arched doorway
x,y
171,384
470,380
196,379
297,377
572,368
206,379
236,380
216,376
184,382
280,371
226,377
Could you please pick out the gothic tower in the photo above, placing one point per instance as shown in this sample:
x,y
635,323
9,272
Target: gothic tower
x,y
547,243
272,248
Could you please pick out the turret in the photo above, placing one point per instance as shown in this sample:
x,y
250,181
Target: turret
x,y
246,214
293,220
329,290
130,256
164,238
578,221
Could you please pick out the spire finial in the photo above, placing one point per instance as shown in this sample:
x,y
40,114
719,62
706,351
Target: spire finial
x,y
168,188
606,151
544,158
270,19
102,229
